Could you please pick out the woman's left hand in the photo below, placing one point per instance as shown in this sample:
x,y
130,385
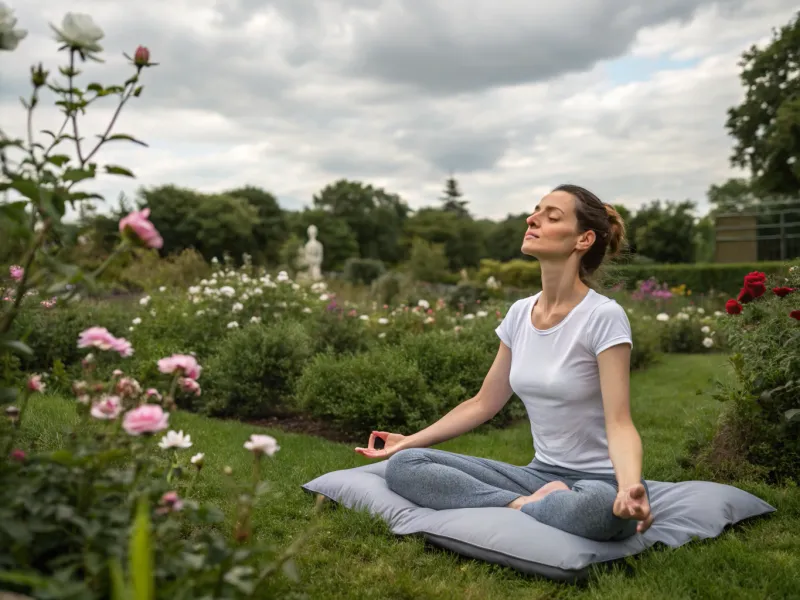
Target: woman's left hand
x,y
632,503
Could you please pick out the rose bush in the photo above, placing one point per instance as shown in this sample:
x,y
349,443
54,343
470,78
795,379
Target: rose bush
x,y
760,431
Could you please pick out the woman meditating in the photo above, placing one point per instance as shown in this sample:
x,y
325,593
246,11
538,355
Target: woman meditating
x,y
565,352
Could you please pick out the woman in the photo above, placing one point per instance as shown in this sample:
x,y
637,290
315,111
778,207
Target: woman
x,y
566,353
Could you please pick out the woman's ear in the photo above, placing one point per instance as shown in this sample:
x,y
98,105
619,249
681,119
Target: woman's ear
x,y
585,240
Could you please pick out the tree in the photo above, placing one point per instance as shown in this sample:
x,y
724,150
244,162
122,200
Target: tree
x,y
766,125
374,215
733,196
504,238
452,198
664,233
271,232
462,238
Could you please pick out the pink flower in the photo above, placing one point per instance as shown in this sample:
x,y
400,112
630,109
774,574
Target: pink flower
x,y
49,303
18,455
138,225
170,502
101,338
123,346
117,373
183,364
190,386
35,384
16,272
128,387
107,408
141,58
153,393
147,418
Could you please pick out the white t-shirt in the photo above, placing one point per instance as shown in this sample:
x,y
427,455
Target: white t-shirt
x,y
555,373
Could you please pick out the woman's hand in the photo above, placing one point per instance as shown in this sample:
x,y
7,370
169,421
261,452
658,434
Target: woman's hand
x,y
632,503
392,443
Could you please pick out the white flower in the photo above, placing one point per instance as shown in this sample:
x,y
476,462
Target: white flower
x,y
469,317
708,342
152,313
262,444
130,328
429,320
237,307
80,32
705,329
295,286
245,298
175,439
701,311
163,288
144,301
255,319
136,321
233,325
481,313
382,335
215,261
492,283
718,313
307,310
383,321
319,287
324,297
683,316
662,317
227,291
423,304
364,318
282,276
197,459
9,37
200,313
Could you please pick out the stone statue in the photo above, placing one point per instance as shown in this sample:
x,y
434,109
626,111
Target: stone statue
x,y
312,254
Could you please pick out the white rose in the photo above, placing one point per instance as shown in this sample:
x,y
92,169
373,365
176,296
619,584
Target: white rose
x,y
237,307
233,325
175,439
262,444
383,321
705,329
137,321
708,342
79,31
9,37
662,317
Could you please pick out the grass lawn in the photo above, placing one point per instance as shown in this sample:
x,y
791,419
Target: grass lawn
x,y
354,555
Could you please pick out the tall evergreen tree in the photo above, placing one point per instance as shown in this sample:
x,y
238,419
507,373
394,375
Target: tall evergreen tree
x,y
451,200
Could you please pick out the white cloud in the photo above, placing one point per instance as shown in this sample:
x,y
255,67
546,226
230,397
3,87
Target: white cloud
x,y
292,96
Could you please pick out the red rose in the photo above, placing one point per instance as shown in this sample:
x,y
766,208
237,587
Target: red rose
x,y
732,307
795,314
755,284
141,58
744,296
782,291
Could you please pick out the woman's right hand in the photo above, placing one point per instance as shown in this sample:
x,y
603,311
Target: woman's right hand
x,y
393,442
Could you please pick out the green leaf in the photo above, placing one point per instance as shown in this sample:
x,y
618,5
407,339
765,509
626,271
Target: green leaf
x,y
119,590
125,136
141,553
95,87
15,211
17,531
58,160
8,395
18,347
793,415
26,187
7,142
77,196
115,170
77,175
138,91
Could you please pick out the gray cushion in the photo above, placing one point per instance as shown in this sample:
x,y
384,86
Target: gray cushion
x,y
683,511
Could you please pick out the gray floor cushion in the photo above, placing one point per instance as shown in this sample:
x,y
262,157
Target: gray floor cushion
x,y
683,511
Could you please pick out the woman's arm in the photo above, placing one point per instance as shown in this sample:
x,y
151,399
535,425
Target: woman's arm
x,y
493,395
624,443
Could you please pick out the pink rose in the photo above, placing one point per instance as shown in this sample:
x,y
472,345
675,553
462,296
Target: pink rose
x,y
147,418
184,364
35,384
138,224
107,408
190,386
16,272
101,338
170,502
18,455
123,346
141,58
128,387
153,393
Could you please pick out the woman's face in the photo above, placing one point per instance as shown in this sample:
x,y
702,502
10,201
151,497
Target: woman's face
x,y
553,228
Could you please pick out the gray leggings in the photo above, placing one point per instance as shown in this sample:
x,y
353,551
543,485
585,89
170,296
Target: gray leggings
x,y
443,480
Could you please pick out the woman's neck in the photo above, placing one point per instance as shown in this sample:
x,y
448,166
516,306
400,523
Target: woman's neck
x,y
561,286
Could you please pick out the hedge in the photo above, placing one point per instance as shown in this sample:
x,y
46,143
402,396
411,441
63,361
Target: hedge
x,y
699,277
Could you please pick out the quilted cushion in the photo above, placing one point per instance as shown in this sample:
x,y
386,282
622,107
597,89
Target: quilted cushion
x,y
683,511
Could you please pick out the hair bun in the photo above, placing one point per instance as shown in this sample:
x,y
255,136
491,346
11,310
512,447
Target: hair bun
x,y
616,233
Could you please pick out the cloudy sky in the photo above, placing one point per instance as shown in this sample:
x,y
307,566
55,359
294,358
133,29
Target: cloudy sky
x,y
626,97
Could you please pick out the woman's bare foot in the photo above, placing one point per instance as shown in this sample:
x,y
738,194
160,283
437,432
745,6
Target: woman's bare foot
x,y
543,491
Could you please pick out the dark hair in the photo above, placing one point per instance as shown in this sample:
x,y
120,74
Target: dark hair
x,y
595,215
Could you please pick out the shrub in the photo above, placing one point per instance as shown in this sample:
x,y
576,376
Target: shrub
x,y
466,294
761,426
254,370
700,278
381,389
646,343
427,261
387,288
363,270
454,367
332,330
150,271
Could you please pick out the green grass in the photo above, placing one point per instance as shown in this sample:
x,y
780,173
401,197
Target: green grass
x,y
354,555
